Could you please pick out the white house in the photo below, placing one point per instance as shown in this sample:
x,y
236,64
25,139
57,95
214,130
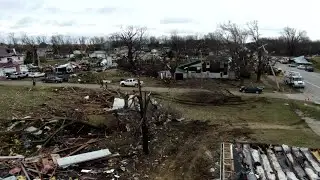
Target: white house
x,y
108,62
205,69
11,61
98,54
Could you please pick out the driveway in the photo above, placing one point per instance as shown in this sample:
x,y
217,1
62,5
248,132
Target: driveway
x,y
312,80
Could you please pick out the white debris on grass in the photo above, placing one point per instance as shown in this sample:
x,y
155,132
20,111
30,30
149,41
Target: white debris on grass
x,y
118,103
33,130
70,160
86,97
109,171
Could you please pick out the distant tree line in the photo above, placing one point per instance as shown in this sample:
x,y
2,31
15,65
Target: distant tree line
x,y
242,44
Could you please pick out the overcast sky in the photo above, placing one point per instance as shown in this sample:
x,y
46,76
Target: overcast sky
x,y
102,17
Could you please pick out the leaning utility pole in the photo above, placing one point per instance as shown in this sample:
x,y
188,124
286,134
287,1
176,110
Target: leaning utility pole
x,y
274,75
201,69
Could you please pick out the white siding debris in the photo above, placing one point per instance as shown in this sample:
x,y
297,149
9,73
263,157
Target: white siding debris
x,y
67,161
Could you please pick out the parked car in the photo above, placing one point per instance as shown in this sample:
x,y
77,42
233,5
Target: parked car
x,y
309,68
130,82
301,67
17,75
283,61
64,77
36,74
257,90
52,79
12,76
292,65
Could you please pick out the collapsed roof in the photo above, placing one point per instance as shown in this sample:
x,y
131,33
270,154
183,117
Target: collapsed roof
x,y
261,161
301,60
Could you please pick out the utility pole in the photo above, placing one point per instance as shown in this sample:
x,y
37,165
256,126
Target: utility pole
x,y
274,75
201,69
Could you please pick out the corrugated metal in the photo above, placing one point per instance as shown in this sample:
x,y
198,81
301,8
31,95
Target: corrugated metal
x,y
261,161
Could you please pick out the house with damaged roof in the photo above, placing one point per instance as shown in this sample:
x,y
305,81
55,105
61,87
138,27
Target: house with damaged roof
x,y
11,61
211,67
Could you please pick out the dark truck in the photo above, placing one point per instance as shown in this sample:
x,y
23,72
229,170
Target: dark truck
x,y
52,79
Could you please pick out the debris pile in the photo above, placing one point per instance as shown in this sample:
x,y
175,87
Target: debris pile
x,y
83,137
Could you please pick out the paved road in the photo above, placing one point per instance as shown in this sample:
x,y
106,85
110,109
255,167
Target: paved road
x,y
96,86
153,89
311,79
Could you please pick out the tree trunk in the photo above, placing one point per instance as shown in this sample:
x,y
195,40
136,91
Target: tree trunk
x,y
143,114
260,67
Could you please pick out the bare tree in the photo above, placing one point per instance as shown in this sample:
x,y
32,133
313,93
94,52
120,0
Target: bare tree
x,y
82,41
57,42
234,39
254,33
12,39
213,42
30,43
134,38
41,39
293,38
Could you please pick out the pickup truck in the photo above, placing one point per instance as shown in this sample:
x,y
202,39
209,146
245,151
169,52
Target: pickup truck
x,y
294,79
36,74
130,82
17,75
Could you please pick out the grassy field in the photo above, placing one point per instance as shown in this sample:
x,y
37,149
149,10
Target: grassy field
x,y
269,120
309,110
264,120
19,101
316,63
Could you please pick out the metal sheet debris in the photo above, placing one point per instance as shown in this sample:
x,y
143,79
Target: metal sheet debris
x,y
9,178
274,162
67,161
118,103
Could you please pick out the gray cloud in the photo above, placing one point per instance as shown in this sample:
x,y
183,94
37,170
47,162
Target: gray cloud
x,y
24,22
176,21
53,10
106,10
60,24
180,31
8,5
103,10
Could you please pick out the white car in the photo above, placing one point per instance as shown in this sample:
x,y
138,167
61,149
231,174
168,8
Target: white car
x,y
301,67
36,74
130,82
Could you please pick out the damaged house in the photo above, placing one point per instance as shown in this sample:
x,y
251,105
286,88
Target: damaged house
x,y
211,67
11,61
